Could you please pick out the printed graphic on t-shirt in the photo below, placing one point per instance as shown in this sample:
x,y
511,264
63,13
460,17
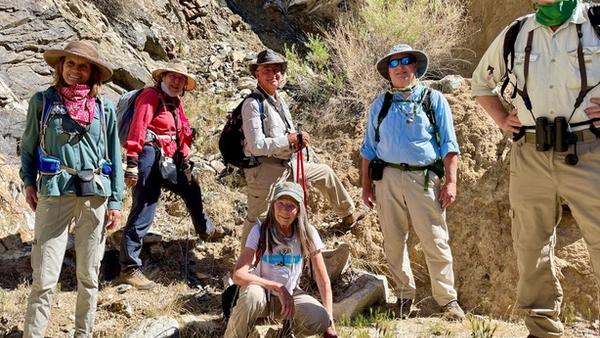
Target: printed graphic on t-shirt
x,y
282,257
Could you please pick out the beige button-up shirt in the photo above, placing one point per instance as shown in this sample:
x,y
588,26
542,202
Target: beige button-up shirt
x,y
273,142
554,79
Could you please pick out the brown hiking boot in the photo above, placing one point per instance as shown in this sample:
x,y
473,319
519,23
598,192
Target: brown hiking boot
x,y
453,311
219,233
349,221
136,278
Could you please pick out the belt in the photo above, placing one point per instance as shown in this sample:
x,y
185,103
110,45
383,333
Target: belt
x,y
407,167
582,135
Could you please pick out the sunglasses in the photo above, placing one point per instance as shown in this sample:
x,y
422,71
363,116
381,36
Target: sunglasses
x,y
405,61
289,207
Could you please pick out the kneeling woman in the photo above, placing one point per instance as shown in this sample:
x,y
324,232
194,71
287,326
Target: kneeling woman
x,y
276,249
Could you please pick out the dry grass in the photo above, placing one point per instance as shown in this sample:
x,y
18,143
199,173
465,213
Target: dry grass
x,y
207,115
359,41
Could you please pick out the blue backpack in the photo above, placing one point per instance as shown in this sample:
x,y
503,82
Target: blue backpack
x,y
125,110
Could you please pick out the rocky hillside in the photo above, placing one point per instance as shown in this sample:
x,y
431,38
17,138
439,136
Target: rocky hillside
x,y
218,38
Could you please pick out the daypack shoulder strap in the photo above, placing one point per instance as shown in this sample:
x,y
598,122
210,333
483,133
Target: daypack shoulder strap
x,y
261,108
385,107
261,246
508,50
430,113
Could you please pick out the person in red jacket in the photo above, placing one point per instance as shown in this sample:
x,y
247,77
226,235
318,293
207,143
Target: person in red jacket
x,y
158,149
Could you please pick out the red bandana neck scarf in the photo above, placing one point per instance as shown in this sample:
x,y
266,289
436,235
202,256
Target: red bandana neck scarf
x,y
79,104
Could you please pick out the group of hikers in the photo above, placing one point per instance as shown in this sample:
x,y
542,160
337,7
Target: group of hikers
x,y
72,169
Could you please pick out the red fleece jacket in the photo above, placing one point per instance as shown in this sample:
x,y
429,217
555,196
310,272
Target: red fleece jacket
x,y
162,124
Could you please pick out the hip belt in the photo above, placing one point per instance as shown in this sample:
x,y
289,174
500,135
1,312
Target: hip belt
x,y
436,167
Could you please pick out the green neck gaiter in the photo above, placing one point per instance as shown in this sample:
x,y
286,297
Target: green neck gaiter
x,y
555,14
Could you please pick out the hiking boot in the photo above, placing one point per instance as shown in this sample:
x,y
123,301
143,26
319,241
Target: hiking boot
x,y
219,233
136,278
336,260
349,221
452,311
404,306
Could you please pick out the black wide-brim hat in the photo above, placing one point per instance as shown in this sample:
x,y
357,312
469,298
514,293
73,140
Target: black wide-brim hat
x,y
268,57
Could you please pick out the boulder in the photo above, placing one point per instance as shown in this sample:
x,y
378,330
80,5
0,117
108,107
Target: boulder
x,y
367,290
161,327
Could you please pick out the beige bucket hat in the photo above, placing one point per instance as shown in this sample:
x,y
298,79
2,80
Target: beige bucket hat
x,y
82,49
422,60
179,68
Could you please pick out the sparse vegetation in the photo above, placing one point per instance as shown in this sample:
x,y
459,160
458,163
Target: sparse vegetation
x,y
359,41
481,327
439,329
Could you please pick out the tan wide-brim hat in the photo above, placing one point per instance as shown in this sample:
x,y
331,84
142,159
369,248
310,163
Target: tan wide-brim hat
x,y
179,68
82,49
422,60
268,57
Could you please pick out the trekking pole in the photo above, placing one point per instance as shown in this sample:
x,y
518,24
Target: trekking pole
x,y
301,177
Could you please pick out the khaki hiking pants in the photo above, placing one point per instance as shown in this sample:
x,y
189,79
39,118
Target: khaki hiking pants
x,y
261,180
539,181
401,201
310,317
52,219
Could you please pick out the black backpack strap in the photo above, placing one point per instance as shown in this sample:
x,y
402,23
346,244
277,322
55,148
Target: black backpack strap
x,y
594,16
261,246
508,50
385,107
428,109
261,108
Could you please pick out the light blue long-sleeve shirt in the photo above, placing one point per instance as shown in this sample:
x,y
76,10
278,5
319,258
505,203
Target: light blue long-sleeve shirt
x,y
406,135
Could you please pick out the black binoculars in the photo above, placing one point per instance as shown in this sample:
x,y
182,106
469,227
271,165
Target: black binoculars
x,y
548,135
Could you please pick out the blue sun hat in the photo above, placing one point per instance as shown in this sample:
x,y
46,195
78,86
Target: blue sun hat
x,y
422,60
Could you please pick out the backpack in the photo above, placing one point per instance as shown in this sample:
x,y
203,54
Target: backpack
x,y
125,111
231,141
510,38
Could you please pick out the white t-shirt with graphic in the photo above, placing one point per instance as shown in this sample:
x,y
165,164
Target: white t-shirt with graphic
x,y
283,264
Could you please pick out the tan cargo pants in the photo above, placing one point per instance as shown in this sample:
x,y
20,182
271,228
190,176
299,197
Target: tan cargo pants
x,y
52,219
260,180
401,200
310,316
539,181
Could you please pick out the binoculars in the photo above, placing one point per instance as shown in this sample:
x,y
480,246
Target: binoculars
x,y
553,135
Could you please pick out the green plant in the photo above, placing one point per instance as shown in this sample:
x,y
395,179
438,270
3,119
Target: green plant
x,y
318,54
569,313
481,327
439,328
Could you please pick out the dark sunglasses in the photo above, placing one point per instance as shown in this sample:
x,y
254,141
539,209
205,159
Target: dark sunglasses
x,y
405,60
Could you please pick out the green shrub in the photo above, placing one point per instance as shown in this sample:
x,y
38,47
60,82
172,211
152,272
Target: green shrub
x,y
481,327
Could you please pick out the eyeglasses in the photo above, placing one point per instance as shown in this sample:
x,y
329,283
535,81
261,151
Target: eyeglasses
x,y
289,207
405,61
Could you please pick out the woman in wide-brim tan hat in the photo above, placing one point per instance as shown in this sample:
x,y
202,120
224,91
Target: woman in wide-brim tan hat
x,y
175,67
81,49
71,170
